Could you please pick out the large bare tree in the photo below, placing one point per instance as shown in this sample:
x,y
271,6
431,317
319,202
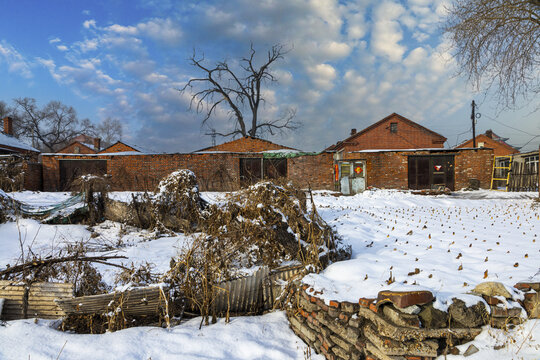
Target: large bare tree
x,y
49,127
240,91
497,44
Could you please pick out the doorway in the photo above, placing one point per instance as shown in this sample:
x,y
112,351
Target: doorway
x,y
431,172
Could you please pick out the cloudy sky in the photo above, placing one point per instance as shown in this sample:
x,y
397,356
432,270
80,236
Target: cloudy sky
x,y
350,64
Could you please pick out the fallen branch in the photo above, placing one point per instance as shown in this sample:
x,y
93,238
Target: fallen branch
x,y
37,263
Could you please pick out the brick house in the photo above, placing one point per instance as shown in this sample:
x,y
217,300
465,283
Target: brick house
x,y
392,132
398,153
491,140
9,144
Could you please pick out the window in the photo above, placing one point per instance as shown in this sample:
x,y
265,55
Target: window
x,y
531,164
77,150
393,127
481,144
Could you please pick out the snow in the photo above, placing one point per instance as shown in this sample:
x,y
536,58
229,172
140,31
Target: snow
x,y
7,140
451,239
256,337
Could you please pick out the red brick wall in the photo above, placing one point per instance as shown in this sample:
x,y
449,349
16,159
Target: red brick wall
x,y
389,169
406,137
83,149
215,172
314,171
32,176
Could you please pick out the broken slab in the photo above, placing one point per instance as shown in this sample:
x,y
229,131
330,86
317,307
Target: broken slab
x,y
404,299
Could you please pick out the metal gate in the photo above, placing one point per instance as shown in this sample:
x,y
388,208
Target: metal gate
x,y
72,169
431,172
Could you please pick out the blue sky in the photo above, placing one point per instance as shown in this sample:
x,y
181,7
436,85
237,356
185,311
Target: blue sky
x,y
350,64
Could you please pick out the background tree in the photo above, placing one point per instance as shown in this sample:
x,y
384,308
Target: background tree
x,y
240,91
496,43
108,130
49,127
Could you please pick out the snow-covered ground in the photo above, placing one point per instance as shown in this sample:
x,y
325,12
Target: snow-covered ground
x,y
447,244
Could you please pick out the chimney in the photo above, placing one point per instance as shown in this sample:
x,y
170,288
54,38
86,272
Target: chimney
x,y
97,144
353,131
489,134
8,125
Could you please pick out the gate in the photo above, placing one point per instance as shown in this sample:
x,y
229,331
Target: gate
x,y
431,172
72,169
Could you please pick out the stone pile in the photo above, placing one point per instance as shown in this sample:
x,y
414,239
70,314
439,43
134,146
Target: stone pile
x,y
402,325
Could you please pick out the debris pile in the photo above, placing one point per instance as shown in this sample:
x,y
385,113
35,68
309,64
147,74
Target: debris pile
x,y
397,323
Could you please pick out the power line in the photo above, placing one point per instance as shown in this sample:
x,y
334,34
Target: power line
x,y
508,126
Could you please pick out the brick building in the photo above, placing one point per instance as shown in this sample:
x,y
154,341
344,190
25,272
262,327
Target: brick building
x,y
9,144
491,140
392,132
349,166
225,167
398,153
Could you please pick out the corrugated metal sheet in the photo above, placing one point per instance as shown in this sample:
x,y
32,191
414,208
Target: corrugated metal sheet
x,y
252,294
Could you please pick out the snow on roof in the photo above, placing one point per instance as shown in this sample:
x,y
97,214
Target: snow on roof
x,y
402,150
120,153
11,141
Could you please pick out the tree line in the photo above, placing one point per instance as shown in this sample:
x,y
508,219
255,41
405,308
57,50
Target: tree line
x,y
52,126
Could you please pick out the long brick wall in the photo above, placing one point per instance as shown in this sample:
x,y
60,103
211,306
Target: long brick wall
x,y
215,171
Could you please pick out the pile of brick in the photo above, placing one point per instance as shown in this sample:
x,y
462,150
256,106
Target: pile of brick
x,y
395,325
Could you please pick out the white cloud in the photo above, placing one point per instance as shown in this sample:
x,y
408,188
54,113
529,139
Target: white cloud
x,y
386,33
55,40
161,30
88,45
322,75
416,57
62,47
15,61
87,24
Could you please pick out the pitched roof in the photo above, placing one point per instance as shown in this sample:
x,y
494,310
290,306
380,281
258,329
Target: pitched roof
x,y
13,142
246,144
337,146
133,147
490,135
86,145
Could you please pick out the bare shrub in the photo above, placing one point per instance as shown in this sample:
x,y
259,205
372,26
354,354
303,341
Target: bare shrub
x,y
95,189
11,173
177,204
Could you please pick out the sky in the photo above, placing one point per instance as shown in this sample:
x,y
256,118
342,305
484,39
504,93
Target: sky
x,y
348,65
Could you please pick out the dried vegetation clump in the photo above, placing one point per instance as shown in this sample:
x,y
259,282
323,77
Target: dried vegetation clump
x,y
177,204
11,174
263,225
95,189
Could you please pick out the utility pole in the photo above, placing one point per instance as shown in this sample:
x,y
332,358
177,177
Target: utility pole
x,y
473,118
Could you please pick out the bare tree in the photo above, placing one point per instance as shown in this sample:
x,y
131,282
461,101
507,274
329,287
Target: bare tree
x,y
239,90
108,130
497,44
49,127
